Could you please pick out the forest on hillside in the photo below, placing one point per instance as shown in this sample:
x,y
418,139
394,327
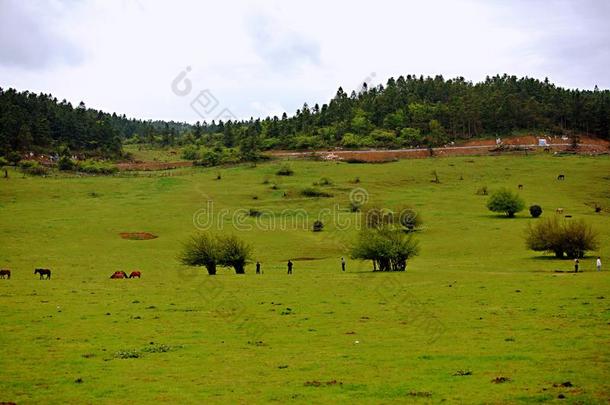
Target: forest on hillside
x,y
409,111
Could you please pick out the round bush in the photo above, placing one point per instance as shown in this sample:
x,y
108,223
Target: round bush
x,y
535,211
505,201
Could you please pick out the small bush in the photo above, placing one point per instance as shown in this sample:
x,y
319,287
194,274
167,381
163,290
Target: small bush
x,y
127,354
26,164
95,167
482,190
318,226
285,170
325,181
409,219
65,163
505,201
33,168
254,212
535,211
313,192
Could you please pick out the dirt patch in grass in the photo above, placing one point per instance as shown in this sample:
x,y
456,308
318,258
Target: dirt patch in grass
x,y
137,235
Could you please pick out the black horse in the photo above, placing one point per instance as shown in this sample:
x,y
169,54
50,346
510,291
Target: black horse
x,y
43,272
5,273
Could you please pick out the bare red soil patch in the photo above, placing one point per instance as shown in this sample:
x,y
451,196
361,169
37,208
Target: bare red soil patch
x,y
137,235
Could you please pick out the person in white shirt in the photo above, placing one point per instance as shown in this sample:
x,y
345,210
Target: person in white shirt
x,y
599,263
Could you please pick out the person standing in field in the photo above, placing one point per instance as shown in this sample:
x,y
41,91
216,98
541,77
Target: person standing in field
x,y
342,264
576,265
258,268
598,263
289,267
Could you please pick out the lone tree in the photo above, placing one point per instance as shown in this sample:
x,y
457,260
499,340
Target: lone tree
x,y
505,201
388,249
201,250
234,253
572,238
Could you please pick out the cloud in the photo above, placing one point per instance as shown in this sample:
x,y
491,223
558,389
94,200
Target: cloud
x,y
280,47
27,39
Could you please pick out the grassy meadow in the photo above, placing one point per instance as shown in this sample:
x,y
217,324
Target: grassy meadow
x,y
473,307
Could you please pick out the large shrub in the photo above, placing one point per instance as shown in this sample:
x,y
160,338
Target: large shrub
x,y
505,201
388,249
285,170
571,238
234,252
210,251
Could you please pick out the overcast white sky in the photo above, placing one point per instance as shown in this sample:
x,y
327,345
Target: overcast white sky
x,y
265,57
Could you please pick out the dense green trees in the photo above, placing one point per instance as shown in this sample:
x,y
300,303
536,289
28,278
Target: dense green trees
x,y
405,112
416,111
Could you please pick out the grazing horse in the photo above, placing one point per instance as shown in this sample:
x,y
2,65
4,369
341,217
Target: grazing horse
x,y
135,274
561,177
43,272
559,210
119,274
520,186
5,273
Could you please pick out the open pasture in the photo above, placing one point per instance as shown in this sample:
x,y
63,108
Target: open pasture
x,y
476,318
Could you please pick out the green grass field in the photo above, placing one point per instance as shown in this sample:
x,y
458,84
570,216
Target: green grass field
x,y
475,300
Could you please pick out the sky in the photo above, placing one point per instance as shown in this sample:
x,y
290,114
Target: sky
x,y
202,60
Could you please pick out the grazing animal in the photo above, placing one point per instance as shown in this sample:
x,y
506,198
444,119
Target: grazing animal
x,y
520,186
135,274
119,274
43,273
559,210
5,273
561,177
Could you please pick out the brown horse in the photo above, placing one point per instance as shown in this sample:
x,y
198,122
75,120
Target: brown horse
x,y
135,274
119,274
43,272
5,273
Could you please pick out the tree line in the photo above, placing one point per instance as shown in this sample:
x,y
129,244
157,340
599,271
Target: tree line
x,y
409,111
31,122
414,111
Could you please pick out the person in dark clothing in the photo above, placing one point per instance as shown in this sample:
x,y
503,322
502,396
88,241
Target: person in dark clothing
x,y
289,267
258,268
576,265
342,264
